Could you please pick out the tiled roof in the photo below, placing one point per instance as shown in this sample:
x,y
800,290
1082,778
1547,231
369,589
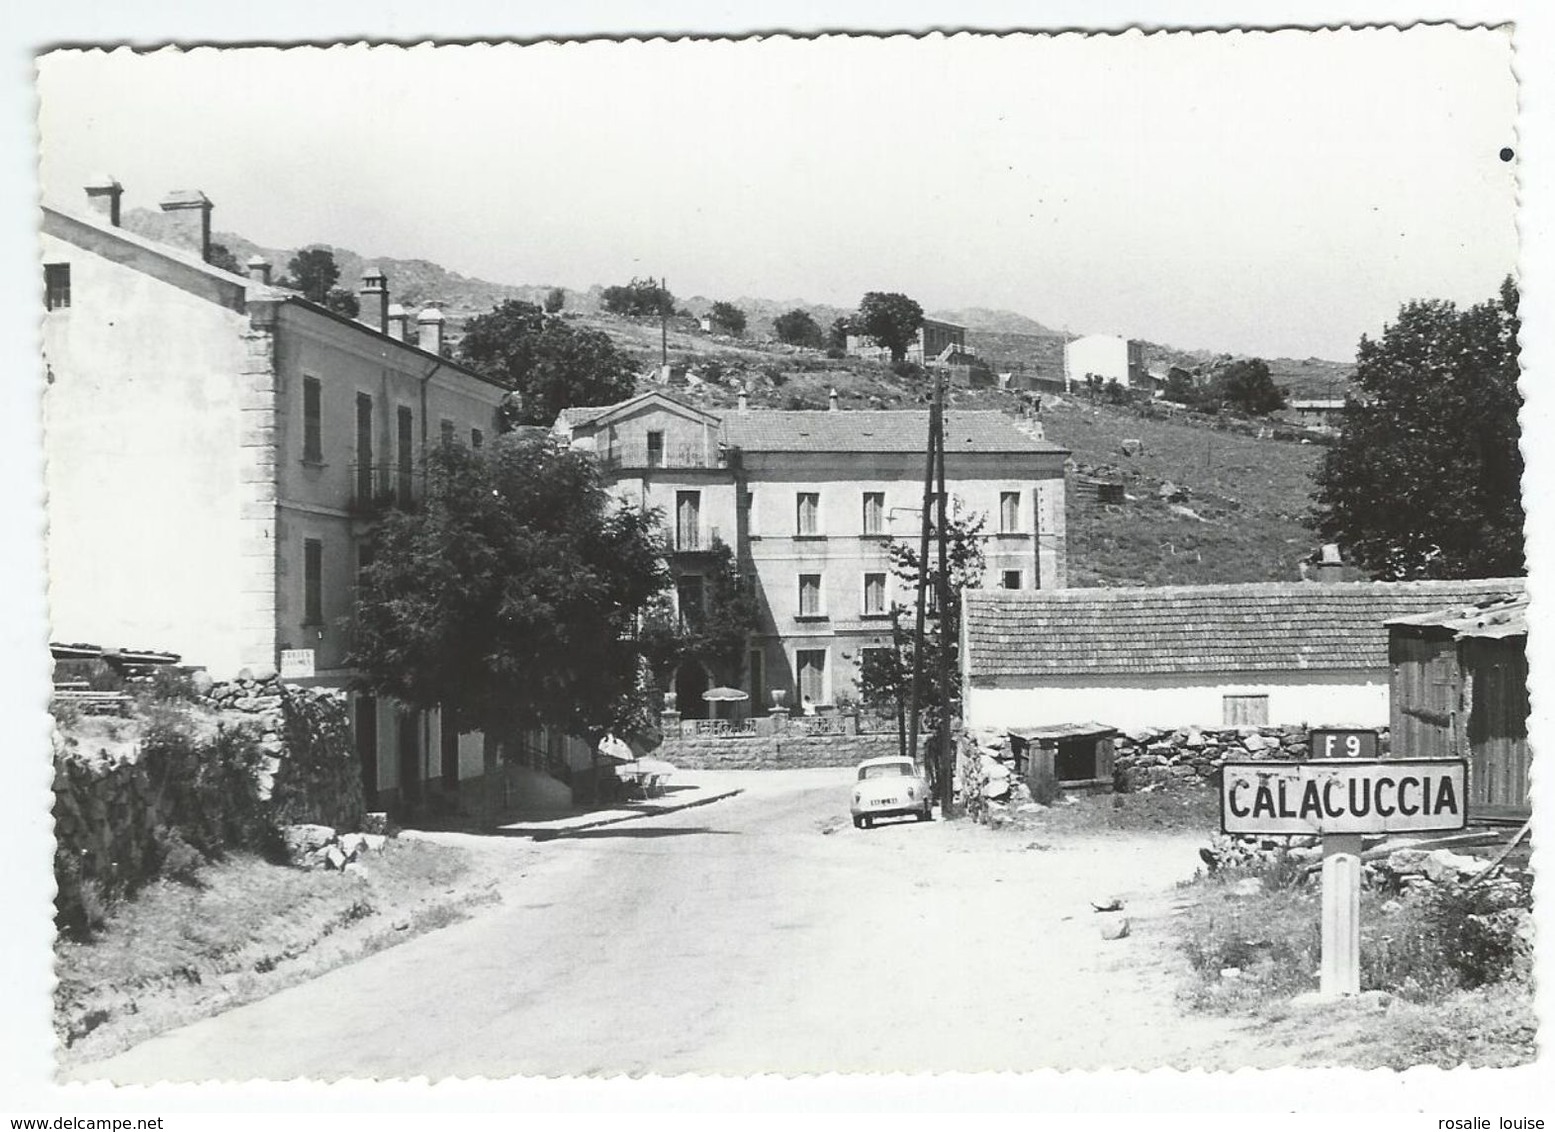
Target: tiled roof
x,y
876,430
1264,627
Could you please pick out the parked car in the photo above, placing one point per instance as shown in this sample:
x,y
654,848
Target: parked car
x,y
889,787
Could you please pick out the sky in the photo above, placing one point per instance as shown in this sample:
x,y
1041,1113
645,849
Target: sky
x,y
1277,194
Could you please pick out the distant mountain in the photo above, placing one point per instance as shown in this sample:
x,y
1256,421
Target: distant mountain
x,y
997,322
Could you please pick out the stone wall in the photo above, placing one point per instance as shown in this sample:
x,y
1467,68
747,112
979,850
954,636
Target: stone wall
x,y
778,752
1187,755
106,823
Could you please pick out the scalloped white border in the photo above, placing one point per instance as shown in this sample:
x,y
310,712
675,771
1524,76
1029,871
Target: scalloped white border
x,y
25,1069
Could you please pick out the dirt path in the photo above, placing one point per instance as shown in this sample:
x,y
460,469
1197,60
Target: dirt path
x,y
762,933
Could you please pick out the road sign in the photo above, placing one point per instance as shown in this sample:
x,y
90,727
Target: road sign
x,y
1331,743
1341,799
1333,796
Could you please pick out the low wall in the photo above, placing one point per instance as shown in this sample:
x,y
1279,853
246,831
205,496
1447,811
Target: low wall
x,y
1151,755
775,752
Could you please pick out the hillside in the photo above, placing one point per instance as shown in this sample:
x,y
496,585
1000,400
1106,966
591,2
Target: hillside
x,y
1233,507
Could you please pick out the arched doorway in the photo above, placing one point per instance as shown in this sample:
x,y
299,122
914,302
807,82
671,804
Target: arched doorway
x,y
690,682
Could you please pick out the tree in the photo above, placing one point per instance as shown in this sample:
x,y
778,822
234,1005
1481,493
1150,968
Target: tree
x,y
313,272
1246,385
891,319
639,298
797,328
548,363
837,335
342,302
555,300
509,594
1424,479
715,635
221,256
728,316
885,677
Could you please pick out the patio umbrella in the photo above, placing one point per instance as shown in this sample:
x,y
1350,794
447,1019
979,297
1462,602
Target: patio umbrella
x,y
612,748
723,695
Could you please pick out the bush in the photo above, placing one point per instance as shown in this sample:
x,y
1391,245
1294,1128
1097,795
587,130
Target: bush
x,y
207,788
1484,930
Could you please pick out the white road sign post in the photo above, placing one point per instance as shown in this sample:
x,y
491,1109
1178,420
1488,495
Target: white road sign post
x,y
1341,800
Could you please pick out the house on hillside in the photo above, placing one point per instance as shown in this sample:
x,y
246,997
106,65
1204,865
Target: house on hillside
x,y
808,501
1318,412
1460,690
932,340
1174,656
217,451
1105,357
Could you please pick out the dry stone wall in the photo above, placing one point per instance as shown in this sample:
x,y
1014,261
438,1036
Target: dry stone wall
x,y
1166,756
776,752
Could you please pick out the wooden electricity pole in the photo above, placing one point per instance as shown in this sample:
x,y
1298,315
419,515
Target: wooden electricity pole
x,y
926,517
664,326
933,473
947,771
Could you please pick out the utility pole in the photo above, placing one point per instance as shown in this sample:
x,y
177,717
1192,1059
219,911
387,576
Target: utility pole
x,y
947,771
664,325
926,517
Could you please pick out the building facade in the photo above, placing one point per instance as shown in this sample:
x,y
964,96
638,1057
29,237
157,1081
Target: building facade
x,y
1176,656
809,501
1106,357
217,448
934,337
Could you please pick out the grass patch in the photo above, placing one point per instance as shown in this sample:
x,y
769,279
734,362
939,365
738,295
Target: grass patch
x,y
1185,808
182,951
1453,963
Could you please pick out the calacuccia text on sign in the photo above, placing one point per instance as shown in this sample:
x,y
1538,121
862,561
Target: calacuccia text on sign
x,y
1343,796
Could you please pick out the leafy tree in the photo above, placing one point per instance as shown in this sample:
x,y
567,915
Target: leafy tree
x,y
728,316
837,334
1246,385
509,594
221,256
638,298
891,319
797,328
1424,479
312,271
342,302
885,677
555,300
714,636
550,364
1179,388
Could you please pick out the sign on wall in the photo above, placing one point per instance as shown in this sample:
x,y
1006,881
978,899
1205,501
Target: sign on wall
x,y
1332,743
296,664
1339,796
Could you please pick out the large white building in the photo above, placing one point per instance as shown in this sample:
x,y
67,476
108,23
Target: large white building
x,y
1106,357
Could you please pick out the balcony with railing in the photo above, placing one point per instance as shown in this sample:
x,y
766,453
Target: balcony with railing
x,y
641,456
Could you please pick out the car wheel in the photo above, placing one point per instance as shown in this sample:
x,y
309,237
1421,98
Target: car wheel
x,y
869,822
858,822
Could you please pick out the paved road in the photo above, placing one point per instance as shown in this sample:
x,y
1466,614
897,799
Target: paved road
x,y
760,933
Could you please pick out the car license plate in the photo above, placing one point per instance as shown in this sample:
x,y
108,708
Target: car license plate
x,y
885,801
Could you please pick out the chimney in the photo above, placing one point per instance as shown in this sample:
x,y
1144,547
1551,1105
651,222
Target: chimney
x,y
102,195
374,299
396,321
429,330
190,212
833,405
744,401
259,270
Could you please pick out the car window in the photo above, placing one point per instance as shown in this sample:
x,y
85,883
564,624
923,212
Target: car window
x,y
886,770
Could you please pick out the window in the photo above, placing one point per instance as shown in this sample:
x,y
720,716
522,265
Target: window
x,y
809,595
477,439
56,286
406,438
312,582
446,427
808,513
688,520
874,512
1242,710
1011,580
874,594
312,426
691,596
1009,511
364,447
812,676
655,449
